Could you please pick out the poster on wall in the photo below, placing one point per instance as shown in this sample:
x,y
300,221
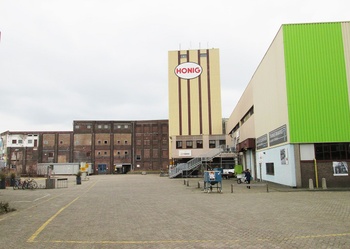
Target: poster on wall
x,y
284,156
340,169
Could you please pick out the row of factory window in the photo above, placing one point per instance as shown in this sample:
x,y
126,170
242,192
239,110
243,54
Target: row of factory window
x,y
105,126
197,144
88,154
106,142
332,151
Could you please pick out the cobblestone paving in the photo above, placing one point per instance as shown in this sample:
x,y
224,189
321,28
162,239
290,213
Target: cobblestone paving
x,y
148,211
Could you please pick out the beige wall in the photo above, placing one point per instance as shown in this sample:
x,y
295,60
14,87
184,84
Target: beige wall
x,y
194,152
204,98
195,96
267,92
269,89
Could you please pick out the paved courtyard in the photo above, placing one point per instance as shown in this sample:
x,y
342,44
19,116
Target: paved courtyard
x,y
148,211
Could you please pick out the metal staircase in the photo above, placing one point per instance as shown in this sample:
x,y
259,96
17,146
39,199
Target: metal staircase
x,y
194,163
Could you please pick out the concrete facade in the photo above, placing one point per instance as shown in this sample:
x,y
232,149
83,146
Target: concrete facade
x,y
195,115
284,123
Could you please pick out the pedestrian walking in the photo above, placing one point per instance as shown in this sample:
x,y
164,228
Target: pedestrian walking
x,y
248,176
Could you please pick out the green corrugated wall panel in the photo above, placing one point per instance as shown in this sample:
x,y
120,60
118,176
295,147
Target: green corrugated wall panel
x,y
317,92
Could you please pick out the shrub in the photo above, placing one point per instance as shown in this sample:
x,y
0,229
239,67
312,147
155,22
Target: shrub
x,y
5,208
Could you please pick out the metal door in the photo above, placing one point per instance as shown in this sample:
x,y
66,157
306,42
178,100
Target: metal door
x,y
102,168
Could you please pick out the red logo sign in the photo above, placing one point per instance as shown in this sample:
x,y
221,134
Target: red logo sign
x,y
188,70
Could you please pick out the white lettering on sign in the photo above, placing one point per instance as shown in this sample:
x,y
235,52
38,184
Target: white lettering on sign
x,y
188,70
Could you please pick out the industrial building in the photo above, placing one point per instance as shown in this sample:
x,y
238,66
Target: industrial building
x,y
110,146
292,123
196,128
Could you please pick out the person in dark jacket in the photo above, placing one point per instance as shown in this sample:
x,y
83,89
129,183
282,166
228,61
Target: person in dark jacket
x,y
247,176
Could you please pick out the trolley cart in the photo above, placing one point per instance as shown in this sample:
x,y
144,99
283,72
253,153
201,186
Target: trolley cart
x,y
212,179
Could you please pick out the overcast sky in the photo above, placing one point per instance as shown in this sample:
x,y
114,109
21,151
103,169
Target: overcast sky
x,y
66,60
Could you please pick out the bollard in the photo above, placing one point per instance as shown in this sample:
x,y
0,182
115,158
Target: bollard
x,y
199,185
311,184
188,183
231,188
324,184
185,182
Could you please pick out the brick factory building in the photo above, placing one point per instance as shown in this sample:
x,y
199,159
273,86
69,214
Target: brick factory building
x,y
110,146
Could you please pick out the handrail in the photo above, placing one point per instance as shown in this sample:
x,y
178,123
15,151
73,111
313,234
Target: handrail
x,y
193,163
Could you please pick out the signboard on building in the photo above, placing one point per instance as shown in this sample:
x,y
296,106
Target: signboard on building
x,y
261,142
188,70
185,153
278,135
340,169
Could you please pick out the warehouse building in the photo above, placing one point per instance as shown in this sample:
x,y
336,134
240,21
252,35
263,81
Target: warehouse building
x,y
292,122
109,146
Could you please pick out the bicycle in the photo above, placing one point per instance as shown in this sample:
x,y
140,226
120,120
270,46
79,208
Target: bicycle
x,y
18,184
29,184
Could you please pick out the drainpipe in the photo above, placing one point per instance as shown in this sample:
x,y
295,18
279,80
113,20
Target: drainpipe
x,y
316,173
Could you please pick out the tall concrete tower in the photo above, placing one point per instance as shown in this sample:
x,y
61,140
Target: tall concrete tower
x,y
195,115
194,92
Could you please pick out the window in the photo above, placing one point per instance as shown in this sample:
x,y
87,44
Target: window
x,y
61,142
178,144
336,151
212,144
14,141
106,126
270,169
189,144
99,126
222,142
99,153
125,142
106,142
30,141
20,141
199,144
183,55
105,153
138,157
77,127
125,152
50,154
126,126
88,126
248,115
99,141
88,154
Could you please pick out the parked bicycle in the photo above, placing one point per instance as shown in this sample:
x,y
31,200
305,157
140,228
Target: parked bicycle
x,y
29,184
18,184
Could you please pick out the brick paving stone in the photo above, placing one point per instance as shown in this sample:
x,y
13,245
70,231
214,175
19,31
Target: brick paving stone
x,y
148,211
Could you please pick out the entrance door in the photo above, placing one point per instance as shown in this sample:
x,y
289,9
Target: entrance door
x,y
102,168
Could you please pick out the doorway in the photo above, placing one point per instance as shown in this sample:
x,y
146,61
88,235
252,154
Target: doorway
x,y
102,168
